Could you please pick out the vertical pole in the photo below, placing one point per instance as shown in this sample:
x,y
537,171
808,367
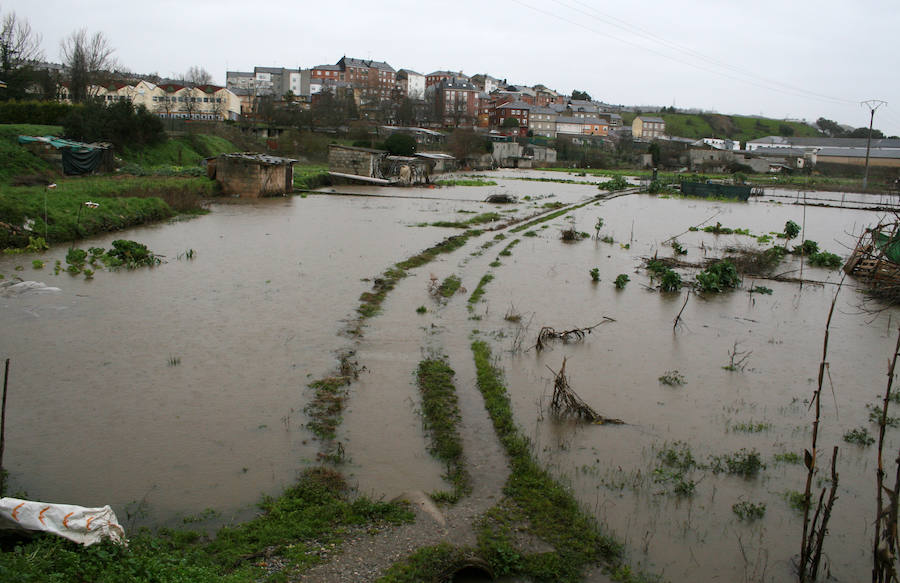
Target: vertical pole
x,y
3,428
868,145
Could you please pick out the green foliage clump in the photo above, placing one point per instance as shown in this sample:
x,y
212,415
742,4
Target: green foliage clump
x,y
400,144
760,289
449,286
673,378
595,274
790,457
796,500
749,511
621,280
859,436
678,248
807,248
791,230
675,463
131,254
617,183
670,281
718,277
826,259
421,310
743,463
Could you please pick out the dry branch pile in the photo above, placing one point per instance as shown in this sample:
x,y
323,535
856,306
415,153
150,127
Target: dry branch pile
x,y
574,335
566,402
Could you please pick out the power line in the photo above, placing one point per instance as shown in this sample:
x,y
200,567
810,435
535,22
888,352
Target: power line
x,y
628,27
763,85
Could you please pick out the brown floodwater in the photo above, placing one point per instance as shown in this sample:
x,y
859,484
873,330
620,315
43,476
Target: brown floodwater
x,y
183,386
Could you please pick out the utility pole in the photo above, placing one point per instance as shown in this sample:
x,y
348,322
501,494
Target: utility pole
x,y
872,104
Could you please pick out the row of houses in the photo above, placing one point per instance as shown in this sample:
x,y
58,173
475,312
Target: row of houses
x,y
170,100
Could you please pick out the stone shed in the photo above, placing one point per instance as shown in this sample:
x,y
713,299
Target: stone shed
x,y
252,175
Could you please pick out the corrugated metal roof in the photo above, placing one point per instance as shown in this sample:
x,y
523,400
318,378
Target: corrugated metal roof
x,y
262,158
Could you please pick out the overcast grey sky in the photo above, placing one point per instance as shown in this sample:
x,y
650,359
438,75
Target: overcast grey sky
x,y
772,57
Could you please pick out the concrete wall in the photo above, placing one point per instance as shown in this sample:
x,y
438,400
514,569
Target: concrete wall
x,y
354,161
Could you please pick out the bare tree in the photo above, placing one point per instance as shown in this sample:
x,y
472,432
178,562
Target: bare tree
x,y
88,59
196,76
20,48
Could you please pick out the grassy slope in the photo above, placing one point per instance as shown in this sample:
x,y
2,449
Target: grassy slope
x,y
725,126
188,150
16,160
124,201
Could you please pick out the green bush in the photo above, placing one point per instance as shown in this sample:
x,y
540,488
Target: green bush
x,y
400,144
718,277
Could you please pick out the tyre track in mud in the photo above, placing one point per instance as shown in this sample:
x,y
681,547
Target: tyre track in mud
x,y
363,556
448,332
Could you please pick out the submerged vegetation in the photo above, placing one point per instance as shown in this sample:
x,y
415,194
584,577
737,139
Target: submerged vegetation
x,y
441,418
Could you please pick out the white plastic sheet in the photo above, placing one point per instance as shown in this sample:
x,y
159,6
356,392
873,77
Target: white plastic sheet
x,y
77,523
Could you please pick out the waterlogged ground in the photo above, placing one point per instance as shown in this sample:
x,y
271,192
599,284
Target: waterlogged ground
x,y
182,386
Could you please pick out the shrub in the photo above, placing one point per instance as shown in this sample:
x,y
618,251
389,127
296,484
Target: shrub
x,y
826,259
791,230
718,277
400,144
621,280
595,274
671,281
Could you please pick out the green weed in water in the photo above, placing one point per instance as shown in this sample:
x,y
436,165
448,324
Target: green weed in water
x,y
673,378
749,511
743,463
595,274
859,436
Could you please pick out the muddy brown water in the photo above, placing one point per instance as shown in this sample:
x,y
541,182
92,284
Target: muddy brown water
x,y
99,414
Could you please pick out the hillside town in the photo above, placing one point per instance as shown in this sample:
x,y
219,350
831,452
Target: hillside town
x,y
427,106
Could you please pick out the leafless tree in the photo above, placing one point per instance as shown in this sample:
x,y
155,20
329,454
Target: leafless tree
x,y
20,48
196,76
88,59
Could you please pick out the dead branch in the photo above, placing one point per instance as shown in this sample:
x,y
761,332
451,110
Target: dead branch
x,y
574,335
565,401
885,551
687,296
809,559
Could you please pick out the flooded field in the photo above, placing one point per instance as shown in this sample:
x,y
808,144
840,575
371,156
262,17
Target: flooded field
x,y
181,388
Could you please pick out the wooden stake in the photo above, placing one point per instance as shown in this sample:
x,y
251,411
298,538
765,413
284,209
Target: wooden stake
x,y
3,428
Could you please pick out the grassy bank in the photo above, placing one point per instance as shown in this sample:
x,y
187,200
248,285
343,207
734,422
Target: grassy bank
x,y
311,176
300,527
122,202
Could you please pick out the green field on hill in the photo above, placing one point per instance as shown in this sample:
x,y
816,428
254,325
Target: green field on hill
x,y
735,127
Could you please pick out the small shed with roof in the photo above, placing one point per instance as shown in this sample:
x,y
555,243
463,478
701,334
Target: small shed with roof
x,y
252,175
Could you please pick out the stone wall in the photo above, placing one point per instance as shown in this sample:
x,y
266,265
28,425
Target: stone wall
x,y
358,161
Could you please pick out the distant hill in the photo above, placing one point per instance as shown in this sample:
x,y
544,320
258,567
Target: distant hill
x,y
734,127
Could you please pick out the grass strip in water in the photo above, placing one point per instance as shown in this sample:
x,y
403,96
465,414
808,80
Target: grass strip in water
x,y
441,410
507,251
299,527
449,286
534,502
476,220
466,182
479,291
370,301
